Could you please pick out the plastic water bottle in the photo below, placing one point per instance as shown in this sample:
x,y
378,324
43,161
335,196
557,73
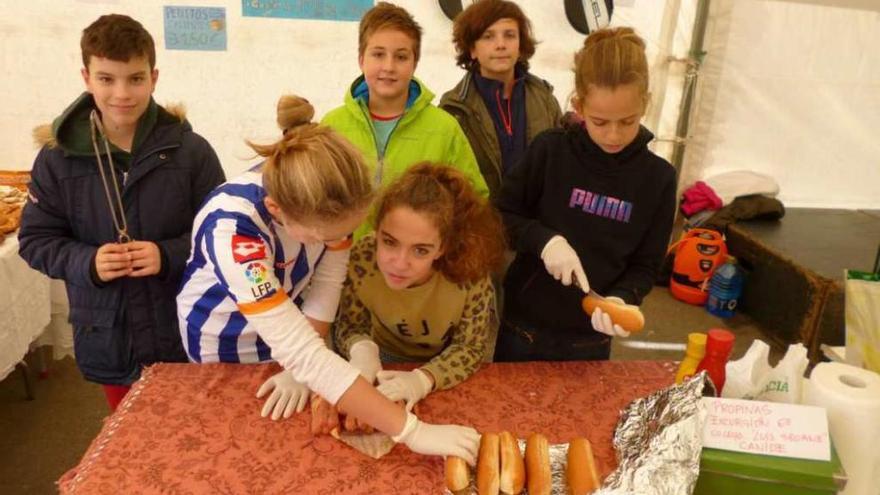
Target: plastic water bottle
x,y
725,288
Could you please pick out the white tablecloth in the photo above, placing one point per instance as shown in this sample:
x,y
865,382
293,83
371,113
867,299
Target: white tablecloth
x,y
33,309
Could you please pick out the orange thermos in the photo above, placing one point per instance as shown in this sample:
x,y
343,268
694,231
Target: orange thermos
x,y
697,254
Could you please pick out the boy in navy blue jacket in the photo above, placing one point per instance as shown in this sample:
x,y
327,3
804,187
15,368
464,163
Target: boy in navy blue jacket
x,y
114,191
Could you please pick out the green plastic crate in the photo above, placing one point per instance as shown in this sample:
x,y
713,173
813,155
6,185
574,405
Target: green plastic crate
x,y
725,472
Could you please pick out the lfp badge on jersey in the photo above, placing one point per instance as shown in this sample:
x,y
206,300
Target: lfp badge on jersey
x,y
246,249
257,273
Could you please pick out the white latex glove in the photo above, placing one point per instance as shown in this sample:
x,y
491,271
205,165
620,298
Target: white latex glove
x,y
411,386
602,321
288,395
445,440
563,263
365,357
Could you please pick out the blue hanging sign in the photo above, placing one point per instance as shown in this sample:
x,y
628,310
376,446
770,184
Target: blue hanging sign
x,y
331,10
195,28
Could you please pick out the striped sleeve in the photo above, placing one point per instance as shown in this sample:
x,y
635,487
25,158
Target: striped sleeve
x,y
243,261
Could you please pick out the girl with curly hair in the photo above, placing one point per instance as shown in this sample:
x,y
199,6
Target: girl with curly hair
x,y
419,288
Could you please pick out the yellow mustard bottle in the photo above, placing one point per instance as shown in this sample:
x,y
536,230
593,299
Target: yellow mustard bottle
x,y
696,349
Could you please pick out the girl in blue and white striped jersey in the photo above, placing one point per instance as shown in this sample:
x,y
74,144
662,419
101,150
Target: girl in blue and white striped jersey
x,y
270,254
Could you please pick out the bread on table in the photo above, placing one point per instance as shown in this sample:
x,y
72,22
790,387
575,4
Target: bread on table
x,y
580,468
488,465
538,478
457,475
512,477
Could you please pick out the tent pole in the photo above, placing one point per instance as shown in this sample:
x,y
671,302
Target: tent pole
x,y
695,60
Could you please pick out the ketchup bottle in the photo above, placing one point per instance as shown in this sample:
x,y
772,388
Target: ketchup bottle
x,y
719,343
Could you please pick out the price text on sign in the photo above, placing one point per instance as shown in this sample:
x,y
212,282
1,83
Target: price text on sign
x,y
195,28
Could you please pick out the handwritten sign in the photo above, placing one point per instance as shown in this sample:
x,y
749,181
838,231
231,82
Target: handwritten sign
x,y
769,428
333,10
195,28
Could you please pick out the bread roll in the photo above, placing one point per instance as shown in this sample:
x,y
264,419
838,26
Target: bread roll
x,y
629,317
457,477
538,465
513,469
10,218
580,470
488,465
325,417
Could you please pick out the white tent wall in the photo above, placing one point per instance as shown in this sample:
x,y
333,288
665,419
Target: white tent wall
x,y
791,89
230,95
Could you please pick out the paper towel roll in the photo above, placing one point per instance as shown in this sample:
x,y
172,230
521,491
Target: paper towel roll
x,y
852,397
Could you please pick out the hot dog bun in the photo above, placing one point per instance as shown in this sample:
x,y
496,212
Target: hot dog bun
x,y
457,477
580,470
488,465
513,469
538,465
629,317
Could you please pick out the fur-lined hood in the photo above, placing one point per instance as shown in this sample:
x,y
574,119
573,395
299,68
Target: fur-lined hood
x,y
48,134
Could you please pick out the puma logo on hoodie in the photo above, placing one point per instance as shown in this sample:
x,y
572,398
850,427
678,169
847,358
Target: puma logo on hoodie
x,y
600,205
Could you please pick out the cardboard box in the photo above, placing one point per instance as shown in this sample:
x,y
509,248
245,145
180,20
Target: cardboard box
x,y
725,472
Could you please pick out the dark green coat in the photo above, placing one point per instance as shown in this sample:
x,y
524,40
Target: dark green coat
x,y
465,104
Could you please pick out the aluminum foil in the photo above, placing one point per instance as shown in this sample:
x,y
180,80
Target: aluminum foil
x,y
658,442
558,455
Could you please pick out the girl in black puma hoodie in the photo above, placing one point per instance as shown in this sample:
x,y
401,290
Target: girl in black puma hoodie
x,y
588,204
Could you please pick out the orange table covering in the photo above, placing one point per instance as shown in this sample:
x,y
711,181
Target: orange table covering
x,y
196,428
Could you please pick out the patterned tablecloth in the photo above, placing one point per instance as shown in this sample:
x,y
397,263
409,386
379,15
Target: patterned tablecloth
x,y
192,429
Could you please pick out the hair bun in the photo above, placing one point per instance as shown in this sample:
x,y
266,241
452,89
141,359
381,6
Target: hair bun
x,y
294,111
620,34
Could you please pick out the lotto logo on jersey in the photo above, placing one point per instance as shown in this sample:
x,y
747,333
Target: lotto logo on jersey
x,y
246,249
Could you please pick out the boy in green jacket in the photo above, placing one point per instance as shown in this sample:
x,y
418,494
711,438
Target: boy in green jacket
x,y
388,113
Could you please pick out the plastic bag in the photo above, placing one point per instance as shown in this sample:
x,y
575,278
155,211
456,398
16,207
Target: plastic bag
x,y
863,319
752,377
785,382
747,376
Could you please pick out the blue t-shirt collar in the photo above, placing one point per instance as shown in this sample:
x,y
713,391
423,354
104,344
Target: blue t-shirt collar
x,y
362,92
